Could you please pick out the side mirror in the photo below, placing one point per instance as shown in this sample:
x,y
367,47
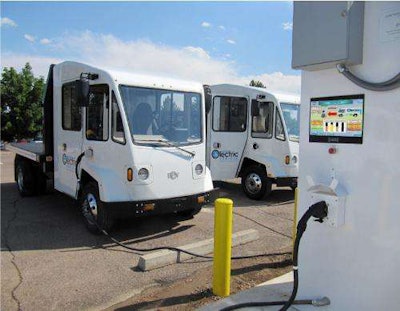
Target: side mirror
x,y
82,92
208,98
255,109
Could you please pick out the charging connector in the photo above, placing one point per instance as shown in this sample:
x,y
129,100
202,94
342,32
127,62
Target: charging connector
x,y
319,211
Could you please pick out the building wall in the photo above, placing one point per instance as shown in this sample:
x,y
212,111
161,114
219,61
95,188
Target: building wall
x,y
356,265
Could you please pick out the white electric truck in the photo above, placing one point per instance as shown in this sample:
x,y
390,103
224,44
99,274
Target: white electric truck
x,y
120,143
253,134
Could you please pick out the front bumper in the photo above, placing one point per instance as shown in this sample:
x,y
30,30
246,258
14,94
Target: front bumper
x,y
159,207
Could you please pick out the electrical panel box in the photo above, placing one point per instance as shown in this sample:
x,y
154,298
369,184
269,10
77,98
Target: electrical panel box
x,y
326,34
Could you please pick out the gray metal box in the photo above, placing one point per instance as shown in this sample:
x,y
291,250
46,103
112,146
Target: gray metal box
x,y
327,33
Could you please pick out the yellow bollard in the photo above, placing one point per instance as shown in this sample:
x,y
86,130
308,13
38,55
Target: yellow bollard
x,y
294,229
222,247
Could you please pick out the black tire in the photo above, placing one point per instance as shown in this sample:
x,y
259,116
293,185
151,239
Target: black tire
x,y
41,182
94,212
24,176
255,183
190,213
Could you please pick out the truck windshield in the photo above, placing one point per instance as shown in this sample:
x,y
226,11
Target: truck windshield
x,y
291,114
153,113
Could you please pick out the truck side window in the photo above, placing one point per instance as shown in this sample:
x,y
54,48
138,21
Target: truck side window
x,y
279,130
117,126
262,123
97,113
229,114
71,112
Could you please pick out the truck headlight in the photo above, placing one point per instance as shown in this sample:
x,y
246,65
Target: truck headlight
x,y
143,173
199,169
294,159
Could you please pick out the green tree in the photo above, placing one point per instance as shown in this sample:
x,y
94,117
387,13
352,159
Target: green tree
x,y
257,83
21,103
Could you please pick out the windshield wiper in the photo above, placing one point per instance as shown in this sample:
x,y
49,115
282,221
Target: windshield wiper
x,y
168,143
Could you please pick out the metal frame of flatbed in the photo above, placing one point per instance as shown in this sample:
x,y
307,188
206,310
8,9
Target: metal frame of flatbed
x,y
33,151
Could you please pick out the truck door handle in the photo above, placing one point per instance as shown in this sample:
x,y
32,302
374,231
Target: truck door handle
x,y
64,147
255,146
89,153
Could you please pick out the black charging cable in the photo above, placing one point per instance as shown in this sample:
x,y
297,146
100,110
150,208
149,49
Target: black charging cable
x,y
170,248
180,250
320,212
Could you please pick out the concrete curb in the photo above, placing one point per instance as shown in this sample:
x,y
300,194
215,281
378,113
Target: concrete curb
x,y
276,289
165,257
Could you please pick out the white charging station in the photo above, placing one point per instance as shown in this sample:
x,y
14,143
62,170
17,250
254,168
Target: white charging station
x,y
354,256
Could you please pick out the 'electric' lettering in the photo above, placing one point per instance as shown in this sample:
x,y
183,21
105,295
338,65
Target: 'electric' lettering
x,y
224,154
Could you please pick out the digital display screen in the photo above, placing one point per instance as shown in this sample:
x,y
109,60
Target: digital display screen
x,y
337,119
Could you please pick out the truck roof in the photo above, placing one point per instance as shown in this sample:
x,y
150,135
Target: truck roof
x,y
138,79
281,97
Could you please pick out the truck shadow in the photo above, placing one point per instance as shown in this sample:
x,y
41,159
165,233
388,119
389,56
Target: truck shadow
x,y
53,221
233,190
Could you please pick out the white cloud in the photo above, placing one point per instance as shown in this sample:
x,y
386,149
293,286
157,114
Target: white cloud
x,y
5,21
230,41
287,26
197,51
142,56
277,82
30,38
205,24
221,27
45,41
190,62
40,65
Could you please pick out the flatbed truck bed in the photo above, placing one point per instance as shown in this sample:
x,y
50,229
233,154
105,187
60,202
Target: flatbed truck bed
x,y
33,150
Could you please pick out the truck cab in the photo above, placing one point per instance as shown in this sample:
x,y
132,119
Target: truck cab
x,y
126,144
253,134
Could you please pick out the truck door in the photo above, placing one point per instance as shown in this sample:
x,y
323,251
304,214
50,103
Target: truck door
x,y
228,135
268,144
97,126
68,140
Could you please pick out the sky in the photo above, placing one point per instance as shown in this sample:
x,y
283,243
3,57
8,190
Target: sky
x,y
209,42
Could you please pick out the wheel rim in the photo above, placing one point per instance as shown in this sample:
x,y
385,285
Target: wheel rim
x,y
253,183
20,179
90,206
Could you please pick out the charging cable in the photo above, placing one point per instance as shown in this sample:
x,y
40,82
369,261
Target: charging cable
x,y
320,212
388,85
180,250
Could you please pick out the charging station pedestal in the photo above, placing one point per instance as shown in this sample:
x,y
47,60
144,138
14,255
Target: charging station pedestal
x,y
354,256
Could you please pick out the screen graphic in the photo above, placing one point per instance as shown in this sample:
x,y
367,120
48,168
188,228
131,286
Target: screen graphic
x,y
337,119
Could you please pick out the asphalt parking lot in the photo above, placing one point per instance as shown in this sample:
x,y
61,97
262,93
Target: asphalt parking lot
x,y
49,261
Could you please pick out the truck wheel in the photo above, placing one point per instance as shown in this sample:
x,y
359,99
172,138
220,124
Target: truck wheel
x,y
255,183
190,213
94,213
41,182
25,178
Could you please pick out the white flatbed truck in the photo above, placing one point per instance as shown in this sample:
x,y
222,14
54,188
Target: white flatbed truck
x,y
253,134
121,144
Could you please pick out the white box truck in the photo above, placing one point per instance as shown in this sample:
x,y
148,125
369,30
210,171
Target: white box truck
x,y
120,143
253,134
